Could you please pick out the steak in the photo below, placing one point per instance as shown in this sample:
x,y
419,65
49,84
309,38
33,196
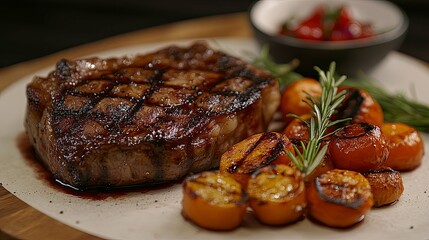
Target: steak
x,y
145,119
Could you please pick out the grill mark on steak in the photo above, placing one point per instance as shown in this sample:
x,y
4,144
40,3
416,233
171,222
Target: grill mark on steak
x,y
160,101
155,81
63,69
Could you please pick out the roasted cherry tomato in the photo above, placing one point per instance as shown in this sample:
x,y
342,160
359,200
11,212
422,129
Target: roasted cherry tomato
x,y
405,144
323,167
339,198
293,96
213,201
386,185
257,151
277,194
359,147
297,129
360,106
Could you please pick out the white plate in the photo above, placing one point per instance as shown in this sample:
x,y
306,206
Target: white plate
x,y
156,214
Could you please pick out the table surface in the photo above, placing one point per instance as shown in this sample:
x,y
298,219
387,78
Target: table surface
x,y
18,220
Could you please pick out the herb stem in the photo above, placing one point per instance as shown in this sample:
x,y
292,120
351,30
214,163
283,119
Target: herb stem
x,y
311,154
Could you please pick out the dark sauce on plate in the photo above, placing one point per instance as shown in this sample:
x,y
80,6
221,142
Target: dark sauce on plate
x,y
42,173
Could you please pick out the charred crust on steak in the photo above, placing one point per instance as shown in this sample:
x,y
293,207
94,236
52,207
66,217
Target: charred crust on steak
x,y
154,117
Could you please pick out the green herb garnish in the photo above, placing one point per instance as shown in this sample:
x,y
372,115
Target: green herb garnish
x,y
323,107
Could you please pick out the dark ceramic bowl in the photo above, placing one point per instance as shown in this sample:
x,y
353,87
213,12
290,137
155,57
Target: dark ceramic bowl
x,y
351,56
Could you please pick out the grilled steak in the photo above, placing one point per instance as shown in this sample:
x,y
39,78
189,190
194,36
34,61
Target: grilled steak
x,y
147,119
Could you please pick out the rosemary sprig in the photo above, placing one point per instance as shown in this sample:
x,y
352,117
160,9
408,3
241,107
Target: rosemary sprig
x,y
312,152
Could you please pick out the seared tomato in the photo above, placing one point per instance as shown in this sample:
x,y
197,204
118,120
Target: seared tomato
x,y
323,167
277,194
293,96
339,198
360,106
386,185
213,201
297,129
359,147
257,151
405,144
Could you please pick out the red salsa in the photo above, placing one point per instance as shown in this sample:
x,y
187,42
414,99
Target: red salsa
x,y
325,24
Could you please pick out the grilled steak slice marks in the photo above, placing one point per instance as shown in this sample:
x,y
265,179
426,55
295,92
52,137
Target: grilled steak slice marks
x,y
147,119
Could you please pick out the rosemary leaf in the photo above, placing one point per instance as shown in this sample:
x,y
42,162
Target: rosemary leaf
x,y
323,107
318,159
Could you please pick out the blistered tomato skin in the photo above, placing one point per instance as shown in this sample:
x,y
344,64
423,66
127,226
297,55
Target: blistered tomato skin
x,y
339,198
405,144
360,106
359,147
277,194
213,201
386,185
255,152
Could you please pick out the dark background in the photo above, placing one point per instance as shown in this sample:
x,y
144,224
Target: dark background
x,y
31,29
